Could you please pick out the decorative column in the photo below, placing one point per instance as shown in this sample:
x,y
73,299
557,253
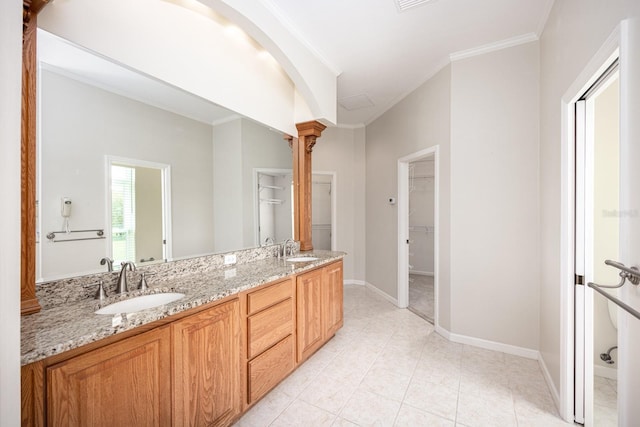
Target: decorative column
x,y
302,148
28,301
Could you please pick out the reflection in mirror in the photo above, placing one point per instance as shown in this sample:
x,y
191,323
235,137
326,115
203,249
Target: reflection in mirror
x,y
321,211
139,196
91,110
274,195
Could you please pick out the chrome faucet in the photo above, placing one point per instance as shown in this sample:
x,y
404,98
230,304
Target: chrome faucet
x,y
122,279
268,241
288,247
109,262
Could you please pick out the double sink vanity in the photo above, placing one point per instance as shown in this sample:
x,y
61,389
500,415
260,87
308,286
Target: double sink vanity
x,y
199,347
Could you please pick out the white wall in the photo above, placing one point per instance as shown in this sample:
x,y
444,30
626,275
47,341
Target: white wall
x,y
79,126
494,196
261,148
419,121
342,151
10,87
240,146
573,34
227,160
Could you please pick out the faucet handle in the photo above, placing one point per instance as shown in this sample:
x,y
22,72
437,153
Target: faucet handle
x,y
100,293
143,285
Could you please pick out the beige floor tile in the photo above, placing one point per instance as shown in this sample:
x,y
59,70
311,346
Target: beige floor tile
x,y
387,383
604,394
387,365
604,416
434,398
413,417
328,393
302,414
341,422
266,410
485,410
369,409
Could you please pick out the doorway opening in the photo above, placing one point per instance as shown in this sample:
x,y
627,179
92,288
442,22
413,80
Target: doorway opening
x,y
421,242
418,233
597,239
138,211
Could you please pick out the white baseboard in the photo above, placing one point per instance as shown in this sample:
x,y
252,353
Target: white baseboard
x,y
508,349
547,377
421,273
606,372
443,332
383,294
355,282
495,346
489,345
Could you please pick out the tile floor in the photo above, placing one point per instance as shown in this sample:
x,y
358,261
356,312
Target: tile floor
x,y
421,296
386,367
605,397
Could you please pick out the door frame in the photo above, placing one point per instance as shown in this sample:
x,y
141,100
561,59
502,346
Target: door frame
x,y
165,176
403,227
587,77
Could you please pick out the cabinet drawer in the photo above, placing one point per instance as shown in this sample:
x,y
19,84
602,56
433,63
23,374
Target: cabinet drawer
x,y
270,295
266,328
268,369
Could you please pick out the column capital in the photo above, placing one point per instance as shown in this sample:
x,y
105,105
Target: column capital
x,y
312,128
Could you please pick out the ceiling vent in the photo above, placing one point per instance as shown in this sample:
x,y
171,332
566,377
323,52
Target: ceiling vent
x,y
404,5
355,102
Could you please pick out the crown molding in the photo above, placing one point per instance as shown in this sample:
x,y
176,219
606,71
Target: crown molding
x,y
492,47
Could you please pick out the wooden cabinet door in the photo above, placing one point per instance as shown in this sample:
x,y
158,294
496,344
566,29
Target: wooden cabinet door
x,y
309,316
127,383
206,367
333,298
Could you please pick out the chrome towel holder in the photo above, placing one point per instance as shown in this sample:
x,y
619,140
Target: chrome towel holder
x,y
52,235
632,274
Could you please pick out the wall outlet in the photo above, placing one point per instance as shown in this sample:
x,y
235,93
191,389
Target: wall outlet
x,y
229,259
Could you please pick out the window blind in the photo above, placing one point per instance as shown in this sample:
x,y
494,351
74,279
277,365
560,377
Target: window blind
x,y
123,213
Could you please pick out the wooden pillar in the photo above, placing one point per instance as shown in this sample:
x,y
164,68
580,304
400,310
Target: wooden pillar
x,y
302,148
28,301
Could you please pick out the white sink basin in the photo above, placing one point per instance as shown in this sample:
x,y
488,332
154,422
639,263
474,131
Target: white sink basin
x,y
302,259
140,303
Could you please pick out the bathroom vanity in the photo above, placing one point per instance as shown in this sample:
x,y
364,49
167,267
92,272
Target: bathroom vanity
x,y
202,360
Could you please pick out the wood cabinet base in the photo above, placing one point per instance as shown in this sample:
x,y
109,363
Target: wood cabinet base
x,y
202,367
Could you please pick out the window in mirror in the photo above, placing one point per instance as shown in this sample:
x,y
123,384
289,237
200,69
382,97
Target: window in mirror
x,y
138,212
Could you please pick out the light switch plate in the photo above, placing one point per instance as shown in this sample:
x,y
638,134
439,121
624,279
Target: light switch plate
x,y
229,259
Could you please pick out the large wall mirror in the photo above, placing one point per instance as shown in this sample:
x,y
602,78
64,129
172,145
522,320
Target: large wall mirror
x,y
148,170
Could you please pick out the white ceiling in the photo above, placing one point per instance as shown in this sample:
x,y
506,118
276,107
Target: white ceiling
x,y
380,54
385,54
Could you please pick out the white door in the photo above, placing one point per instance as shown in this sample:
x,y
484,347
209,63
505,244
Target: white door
x,y
628,216
597,240
629,326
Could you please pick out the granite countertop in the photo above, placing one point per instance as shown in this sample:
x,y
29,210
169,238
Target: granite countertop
x,y
67,326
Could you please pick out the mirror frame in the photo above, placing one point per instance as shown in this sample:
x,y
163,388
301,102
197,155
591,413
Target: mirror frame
x,y
302,147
